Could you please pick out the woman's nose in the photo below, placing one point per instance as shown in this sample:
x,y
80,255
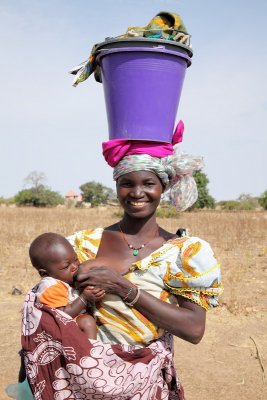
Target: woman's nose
x,y
137,192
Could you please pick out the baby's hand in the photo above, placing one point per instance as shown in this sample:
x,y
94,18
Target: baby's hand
x,y
93,295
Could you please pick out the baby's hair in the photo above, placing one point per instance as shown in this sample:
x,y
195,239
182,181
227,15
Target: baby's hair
x,y
40,247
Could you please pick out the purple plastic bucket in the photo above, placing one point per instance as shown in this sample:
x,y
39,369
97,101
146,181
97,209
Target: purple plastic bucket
x,y
142,87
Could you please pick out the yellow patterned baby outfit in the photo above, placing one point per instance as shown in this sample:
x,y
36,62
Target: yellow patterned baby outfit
x,y
182,266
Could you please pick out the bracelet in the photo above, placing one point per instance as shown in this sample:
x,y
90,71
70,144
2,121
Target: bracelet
x,y
83,301
128,293
131,303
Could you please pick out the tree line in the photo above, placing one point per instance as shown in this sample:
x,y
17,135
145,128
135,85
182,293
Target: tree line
x,y
37,194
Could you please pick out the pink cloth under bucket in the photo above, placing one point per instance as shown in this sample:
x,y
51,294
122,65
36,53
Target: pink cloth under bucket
x,y
114,150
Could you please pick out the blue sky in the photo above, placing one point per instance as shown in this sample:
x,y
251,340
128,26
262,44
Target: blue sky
x,y
48,126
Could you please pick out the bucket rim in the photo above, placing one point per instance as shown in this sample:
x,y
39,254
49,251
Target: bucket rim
x,y
108,41
157,49
169,141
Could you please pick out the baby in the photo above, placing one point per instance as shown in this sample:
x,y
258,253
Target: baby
x,y
56,261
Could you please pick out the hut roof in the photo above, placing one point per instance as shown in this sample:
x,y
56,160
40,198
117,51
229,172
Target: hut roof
x,y
71,193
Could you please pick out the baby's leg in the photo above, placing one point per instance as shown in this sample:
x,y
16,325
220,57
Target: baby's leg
x,y
87,324
22,371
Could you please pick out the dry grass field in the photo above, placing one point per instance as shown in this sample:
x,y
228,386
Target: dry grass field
x,y
230,362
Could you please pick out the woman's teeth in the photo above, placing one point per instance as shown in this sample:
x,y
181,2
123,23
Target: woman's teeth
x,y
137,204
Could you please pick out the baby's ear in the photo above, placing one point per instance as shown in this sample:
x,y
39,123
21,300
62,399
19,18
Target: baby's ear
x,y
42,272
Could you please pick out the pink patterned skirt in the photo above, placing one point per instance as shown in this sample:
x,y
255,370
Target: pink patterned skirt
x,y
61,363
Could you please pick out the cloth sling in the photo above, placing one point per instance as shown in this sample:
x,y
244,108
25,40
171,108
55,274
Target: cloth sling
x,y
62,363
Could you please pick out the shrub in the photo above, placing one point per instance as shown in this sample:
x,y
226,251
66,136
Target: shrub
x,y
242,204
205,200
228,205
247,202
95,193
263,200
118,213
167,212
7,201
38,197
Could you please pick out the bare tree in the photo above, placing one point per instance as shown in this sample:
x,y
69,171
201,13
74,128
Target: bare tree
x,y
35,179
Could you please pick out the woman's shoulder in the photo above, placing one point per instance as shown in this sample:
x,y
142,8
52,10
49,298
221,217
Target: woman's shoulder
x,y
195,273
86,234
176,250
86,242
193,245
185,242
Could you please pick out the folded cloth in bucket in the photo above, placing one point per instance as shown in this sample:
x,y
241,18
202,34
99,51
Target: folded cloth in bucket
x,y
165,25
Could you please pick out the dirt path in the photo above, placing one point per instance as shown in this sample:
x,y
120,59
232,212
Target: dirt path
x,y
225,364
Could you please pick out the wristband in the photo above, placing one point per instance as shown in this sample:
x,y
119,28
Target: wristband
x,y
83,301
129,292
131,303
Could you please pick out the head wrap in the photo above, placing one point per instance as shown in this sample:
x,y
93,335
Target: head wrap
x,y
114,150
175,172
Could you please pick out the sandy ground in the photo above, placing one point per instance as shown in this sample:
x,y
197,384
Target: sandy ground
x,y
231,360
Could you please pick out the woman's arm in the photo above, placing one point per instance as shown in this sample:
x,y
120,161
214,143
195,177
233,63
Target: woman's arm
x,y
186,321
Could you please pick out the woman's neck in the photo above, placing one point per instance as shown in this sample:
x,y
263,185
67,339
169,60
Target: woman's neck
x,y
133,226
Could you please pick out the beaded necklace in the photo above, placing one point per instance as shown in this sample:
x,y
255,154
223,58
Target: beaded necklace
x,y
136,249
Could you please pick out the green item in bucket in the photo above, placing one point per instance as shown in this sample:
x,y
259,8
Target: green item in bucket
x,y
164,26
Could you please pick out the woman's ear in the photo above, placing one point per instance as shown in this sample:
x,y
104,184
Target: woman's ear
x,y
42,272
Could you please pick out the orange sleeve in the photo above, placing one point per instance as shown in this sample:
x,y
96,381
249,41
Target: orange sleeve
x,y
55,296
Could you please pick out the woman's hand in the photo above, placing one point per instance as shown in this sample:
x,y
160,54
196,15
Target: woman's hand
x,y
101,277
186,321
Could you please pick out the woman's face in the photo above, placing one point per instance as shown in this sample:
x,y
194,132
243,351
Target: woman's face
x,y
139,193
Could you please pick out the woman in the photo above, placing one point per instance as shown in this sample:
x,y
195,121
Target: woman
x,y
157,285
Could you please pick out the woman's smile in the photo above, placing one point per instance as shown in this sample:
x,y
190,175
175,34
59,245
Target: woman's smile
x,y
139,192
138,204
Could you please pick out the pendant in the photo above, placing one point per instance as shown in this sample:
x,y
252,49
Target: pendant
x,y
135,252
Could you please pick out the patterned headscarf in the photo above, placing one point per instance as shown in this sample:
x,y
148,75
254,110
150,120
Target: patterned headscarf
x,y
175,173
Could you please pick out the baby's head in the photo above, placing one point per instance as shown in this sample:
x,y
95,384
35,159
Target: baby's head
x,y
52,255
